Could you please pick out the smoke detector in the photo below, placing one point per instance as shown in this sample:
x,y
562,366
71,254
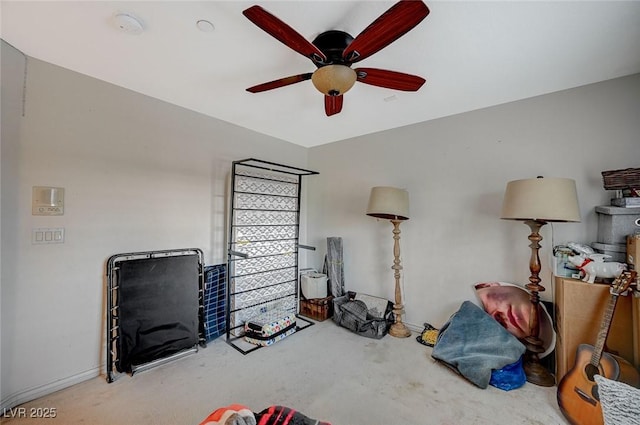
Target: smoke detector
x,y
128,23
205,26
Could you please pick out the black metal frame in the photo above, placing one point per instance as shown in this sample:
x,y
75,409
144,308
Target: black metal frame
x,y
113,316
234,254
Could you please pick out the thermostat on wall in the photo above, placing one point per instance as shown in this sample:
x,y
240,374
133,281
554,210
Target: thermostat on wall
x,y
47,200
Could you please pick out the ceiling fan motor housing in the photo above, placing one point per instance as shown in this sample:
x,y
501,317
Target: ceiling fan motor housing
x,y
332,44
333,77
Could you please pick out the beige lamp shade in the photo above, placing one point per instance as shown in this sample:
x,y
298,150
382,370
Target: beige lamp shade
x,y
334,80
389,203
543,199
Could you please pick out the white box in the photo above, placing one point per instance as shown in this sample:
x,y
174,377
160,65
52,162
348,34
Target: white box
x,y
313,285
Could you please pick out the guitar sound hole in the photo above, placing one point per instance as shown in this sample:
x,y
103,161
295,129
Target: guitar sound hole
x,y
591,370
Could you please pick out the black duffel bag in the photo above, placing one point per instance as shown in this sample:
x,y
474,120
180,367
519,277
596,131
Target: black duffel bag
x,y
363,314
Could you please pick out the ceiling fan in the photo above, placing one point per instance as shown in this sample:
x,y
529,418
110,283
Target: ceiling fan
x,y
333,52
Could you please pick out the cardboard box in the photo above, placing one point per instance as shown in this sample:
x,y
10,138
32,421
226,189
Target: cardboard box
x,y
635,305
633,260
580,309
633,251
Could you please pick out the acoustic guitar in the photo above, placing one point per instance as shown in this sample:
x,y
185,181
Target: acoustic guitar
x,y
577,391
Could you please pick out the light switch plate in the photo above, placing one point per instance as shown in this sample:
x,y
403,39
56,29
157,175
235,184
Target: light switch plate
x,y
47,235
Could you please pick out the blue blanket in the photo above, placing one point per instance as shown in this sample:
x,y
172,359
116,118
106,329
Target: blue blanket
x,y
474,343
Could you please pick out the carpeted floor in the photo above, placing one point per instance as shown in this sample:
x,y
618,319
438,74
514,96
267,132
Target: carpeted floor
x,y
324,371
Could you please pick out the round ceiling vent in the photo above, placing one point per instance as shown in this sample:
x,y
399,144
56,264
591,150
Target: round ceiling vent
x,y
129,23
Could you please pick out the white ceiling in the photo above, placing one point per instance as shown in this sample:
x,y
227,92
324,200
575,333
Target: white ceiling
x,y
472,54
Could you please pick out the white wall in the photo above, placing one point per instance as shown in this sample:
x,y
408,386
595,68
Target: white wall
x,y
13,63
456,170
139,175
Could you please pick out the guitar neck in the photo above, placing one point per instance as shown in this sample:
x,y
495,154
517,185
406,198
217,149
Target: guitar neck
x,y
604,330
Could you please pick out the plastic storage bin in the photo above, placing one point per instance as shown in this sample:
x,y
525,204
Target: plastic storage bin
x,y
615,224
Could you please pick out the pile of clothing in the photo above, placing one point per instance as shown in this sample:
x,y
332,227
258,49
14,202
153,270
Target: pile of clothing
x,y
237,414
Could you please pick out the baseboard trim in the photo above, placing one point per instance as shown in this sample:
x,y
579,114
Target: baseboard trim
x,y
24,396
414,328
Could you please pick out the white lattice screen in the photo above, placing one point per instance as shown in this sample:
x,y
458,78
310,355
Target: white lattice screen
x,y
263,241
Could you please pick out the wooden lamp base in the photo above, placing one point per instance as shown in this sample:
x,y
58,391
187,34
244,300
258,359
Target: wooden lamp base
x,y
535,372
397,329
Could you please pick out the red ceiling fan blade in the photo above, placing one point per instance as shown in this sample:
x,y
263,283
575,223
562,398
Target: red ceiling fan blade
x,y
280,83
390,26
332,104
284,33
389,79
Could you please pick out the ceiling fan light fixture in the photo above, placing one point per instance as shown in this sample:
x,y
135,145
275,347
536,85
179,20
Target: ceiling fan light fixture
x,y
334,80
